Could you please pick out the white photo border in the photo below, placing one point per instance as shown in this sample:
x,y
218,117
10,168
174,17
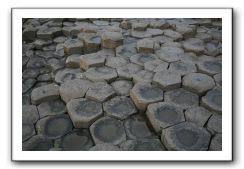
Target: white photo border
x,y
224,155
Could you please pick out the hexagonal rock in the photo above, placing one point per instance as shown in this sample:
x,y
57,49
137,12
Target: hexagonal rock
x,y
176,36
139,26
116,62
54,107
169,54
67,74
182,98
198,83
73,61
30,113
47,33
100,91
162,115
159,24
72,89
213,100
53,127
197,115
141,34
83,112
77,140
92,43
142,58
27,84
122,87
155,32
156,65
210,66
188,31
101,74
36,62
142,145
145,46
214,124
119,107
28,130
73,46
126,51
136,127
143,76
186,137
189,57
37,143
44,93
167,80
91,60
105,147
108,130
29,34
112,40
143,94
182,68
218,79
216,143
194,45
128,70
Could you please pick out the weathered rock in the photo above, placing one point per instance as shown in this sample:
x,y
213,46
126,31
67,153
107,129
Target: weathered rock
x,y
141,34
126,51
197,115
155,32
27,84
176,36
105,147
55,64
92,43
218,79
112,40
156,65
143,76
159,24
210,66
146,46
187,31
182,68
194,45
59,39
68,74
125,25
213,100
101,74
73,61
169,54
142,58
37,143
73,46
116,62
29,34
122,87
47,33
36,62
189,57
127,71
139,26
28,130
216,143
92,60
214,124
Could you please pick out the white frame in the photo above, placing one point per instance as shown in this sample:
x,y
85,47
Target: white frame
x,y
19,155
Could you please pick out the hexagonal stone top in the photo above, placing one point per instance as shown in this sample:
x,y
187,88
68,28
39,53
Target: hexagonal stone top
x,y
186,137
182,98
126,51
116,62
143,94
194,45
182,68
176,36
167,80
198,83
108,130
162,115
91,60
73,46
37,143
68,74
156,65
128,70
73,61
30,113
169,54
101,74
145,46
44,93
213,100
122,87
210,66
214,124
112,39
83,112
119,107
142,58
143,76
100,91
197,115
53,127
139,26
72,89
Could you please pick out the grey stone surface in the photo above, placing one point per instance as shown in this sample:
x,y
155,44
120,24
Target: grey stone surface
x,y
142,58
216,143
176,36
127,71
37,143
210,66
101,74
194,45
92,60
213,100
67,74
218,79
73,46
197,115
27,84
116,62
126,51
143,76
112,40
73,61
214,124
92,43
182,68
28,130
156,65
139,26
122,87
105,147
169,54
146,46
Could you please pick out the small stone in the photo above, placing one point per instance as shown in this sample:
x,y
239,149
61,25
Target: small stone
x,y
144,94
142,58
73,61
143,76
156,65
210,66
100,91
44,93
119,107
125,25
92,43
67,74
139,26
214,124
108,130
122,87
186,137
101,74
73,46
54,107
91,60
128,70
37,143
54,127
182,68
112,40
105,147
216,143
126,51
213,100
145,46
27,84
197,115
169,54
28,130
162,115
182,98
194,45
116,62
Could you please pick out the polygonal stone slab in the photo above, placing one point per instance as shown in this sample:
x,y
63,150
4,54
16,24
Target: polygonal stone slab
x,y
29,34
142,58
197,115
194,45
141,34
143,145
136,127
214,124
155,32
176,36
156,65
73,61
30,73
100,92
105,147
189,57
182,98
72,89
92,60
159,24
112,40
143,76
213,100
44,93
92,43
198,83
218,79
37,143
125,51
186,137
216,143
167,80
67,74
36,62
116,62
162,115
101,74
30,113
54,126
54,107
28,130
122,87
83,112
119,107
210,66
77,140
108,130
73,46
143,94
139,26
169,54
128,70
146,46
47,33
182,68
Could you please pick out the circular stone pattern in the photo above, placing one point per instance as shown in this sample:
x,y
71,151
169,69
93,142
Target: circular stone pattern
x,y
83,112
119,107
101,74
108,130
162,115
54,127
143,94
213,100
186,137
198,83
